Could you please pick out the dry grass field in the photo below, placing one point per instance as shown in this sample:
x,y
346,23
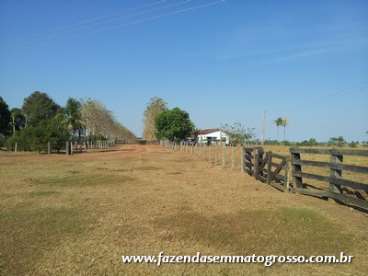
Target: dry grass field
x,y
77,215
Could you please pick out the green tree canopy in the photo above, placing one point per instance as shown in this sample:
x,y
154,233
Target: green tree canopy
x,y
284,123
73,114
38,107
278,123
173,124
4,118
18,121
56,130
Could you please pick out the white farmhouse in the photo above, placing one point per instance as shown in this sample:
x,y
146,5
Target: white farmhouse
x,y
213,136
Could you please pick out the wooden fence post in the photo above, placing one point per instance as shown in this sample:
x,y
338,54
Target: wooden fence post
x,y
219,155
336,160
209,153
224,156
256,163
16,147
67,147
287,175
296,170
48,147
213,154
269,166
232,157
242,158
216,153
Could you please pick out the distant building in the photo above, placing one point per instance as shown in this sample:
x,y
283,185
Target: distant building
x,y
213,136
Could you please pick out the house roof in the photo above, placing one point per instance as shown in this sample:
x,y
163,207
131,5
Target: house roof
x,y
207,131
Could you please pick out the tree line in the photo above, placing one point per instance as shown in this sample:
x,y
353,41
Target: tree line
x,y
40,120
160,122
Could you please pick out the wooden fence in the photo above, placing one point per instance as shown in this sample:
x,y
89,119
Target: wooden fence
x,y
70,147
287,172
230,157
268,167
346,191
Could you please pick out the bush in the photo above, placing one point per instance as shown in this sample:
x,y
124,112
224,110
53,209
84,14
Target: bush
x,y
2,140
36,138
354,144
272,142
23,138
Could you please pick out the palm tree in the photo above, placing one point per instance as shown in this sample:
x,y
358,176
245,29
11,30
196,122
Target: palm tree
x,y
284,123
278,123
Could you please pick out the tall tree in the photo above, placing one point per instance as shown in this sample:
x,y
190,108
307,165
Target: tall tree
x,y
38,107
4,117
154,108
284,123
173,124
18,121
278,123
99,121
73,115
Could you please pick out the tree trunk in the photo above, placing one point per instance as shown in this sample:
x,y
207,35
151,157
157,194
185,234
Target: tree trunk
x,y
13,118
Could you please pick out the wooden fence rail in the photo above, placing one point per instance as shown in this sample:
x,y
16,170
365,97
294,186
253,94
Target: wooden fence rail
x,y
287,172
346,191
69,147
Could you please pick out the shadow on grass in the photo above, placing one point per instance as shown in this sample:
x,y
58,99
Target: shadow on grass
x,y
81,180
147,168
285,231
42,193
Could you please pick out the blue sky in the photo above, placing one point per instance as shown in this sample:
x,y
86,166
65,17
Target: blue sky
x,y
222,61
